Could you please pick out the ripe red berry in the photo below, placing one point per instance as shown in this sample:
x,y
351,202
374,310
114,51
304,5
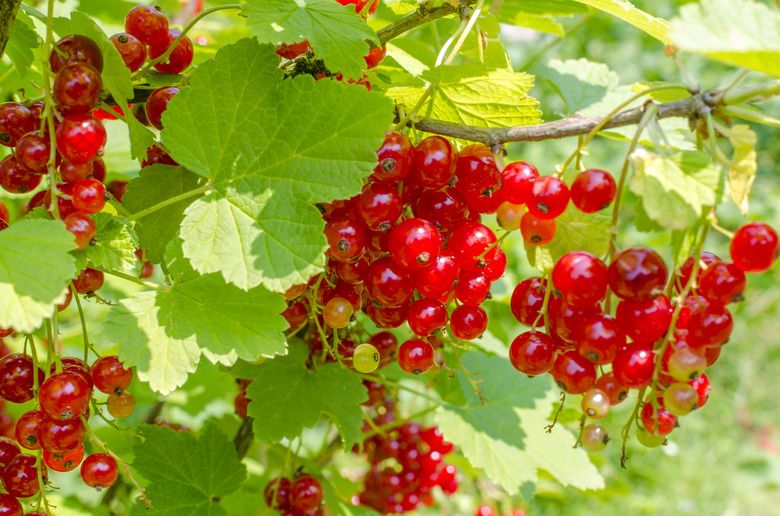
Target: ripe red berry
x,y
16,378
277,493
395,158
637,273
16,178
80,137
573,373
468,322
473,287
707,259
387,317
15,121
593,190
645,321
293,50
722,283
180,57
64,462
147,24
27,429
434,162
426,316
375,56
8,450
537,231
77,88
633,366
657,421
10,506
99,470
415,356
703,389
378,206
754,247
564,319
709,325
132,50
157,103
20,476
496,267
599,338
89,280
76,49
472,245
527,301
414,244
615,390
532,353
33,151
581,278
64,395
89,195
388,283
517,181
83,228
444,208
346,239
61,436
484,203
549,197
110,376
387,345
155,155
439,278
476,171
306,494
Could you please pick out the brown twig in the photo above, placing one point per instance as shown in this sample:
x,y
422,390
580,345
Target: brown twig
x,y
422,15
8,9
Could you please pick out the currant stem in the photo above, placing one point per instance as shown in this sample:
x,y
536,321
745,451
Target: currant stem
x,y
465,32
582,429
411,114
624,432
468,376
48,112
136,280
398,422
184,32
549,428
167,202
87,345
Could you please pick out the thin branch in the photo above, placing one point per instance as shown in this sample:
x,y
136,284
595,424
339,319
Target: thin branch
x,y
8,10
421,16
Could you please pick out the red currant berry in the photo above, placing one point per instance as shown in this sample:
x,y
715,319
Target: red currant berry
x,y
414,244
180,57
110,376
346,239
476,171
593,190
351,272
82,227
468,322
581,278
434,162
375,56
387,345
77,88
564,319
385,317
426,316
395,158
517,181
496,267
147,24
131,49
88,281
61,436
532,353
472,245
16,378
573,373
537,231
633,366
485,204
686,269
723,283
645,321
306,494
361,4
155,155
378,206
8,450
64,396
615,390
293,50
27,429
754,247
549,197
20,476
76,49
637,273
599,338
157,103
80,137
277,493
10,506
415,356
99,470
89,196
444,208
473,287
64,462
16,178
703,389
33,151
657,421
15,121
439,278
388,283
527,301
709,325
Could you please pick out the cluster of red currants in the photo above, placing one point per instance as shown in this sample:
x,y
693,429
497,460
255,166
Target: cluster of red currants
x,y
57,426
373,58
649,342
301,496
487,510
406,463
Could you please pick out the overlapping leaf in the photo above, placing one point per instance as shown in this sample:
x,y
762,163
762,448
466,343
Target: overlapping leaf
x,y
115,245
287,397
626,11
336,32
164,332
506,438
740,32
187,473
35,267
271,148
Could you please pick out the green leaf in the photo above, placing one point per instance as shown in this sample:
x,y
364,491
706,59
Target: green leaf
x,y
684,242
494,54
582,84
740,32
115,75
743,168
164,332
675,190
539,257
336,33
511,11
288,144
22,40
154,185
473,94
506,438
141,137
187,473
626,11
287,397
35,267
116,244
643,222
